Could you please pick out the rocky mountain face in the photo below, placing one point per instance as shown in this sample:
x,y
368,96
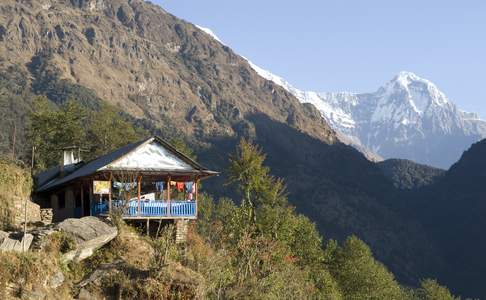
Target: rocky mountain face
x,y
138,57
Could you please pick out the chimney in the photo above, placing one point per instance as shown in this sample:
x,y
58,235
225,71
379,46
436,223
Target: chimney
x,y
70,155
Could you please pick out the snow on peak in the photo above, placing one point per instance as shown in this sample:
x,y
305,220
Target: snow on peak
x,y
420,94
332,113
405,79
272,77
395,120
210,32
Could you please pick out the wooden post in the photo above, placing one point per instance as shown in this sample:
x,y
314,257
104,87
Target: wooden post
x,y
109,195
91,197
196,188
82,199
139,192
168,198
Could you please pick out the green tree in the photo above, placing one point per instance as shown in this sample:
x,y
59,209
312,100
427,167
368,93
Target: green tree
x,y
253,180
359,275
54,128
70,124
432,290
107,131
183,147
247,170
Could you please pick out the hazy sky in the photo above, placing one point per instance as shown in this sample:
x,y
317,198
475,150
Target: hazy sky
x,y
355,45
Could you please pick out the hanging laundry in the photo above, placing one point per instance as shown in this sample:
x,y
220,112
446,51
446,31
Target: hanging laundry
x,y
159,186
126,186
173,183
180,186
189,185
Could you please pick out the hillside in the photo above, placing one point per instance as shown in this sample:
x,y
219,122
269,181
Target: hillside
x,y
260,251
171,78
135,55
452,210
407,175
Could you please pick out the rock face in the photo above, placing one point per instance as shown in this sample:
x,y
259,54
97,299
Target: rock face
x,y
89,234
135,55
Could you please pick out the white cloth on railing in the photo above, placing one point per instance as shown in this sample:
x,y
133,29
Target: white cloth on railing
x,y
145,197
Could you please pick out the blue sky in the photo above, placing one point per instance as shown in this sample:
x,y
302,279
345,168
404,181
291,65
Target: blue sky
x,y
355,45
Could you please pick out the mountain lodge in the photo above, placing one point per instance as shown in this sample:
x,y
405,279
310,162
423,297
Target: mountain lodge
x,y
145,180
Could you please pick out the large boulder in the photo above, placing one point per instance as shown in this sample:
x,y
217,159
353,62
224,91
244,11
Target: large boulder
x,y
88,233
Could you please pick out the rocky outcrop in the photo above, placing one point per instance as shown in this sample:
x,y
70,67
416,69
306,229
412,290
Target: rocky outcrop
x,y
88,233
15,242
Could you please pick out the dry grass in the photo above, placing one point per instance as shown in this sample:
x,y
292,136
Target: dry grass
x,y
130,271
136,248
15,181
22,274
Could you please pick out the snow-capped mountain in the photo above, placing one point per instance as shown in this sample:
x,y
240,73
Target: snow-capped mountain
x,y
409,117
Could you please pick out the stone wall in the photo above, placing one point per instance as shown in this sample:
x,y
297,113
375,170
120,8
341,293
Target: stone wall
x,y
181,230
33,211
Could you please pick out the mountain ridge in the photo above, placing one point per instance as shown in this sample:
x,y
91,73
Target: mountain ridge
x,y
126,51
405,113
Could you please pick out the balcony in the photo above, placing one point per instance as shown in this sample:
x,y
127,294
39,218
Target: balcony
x,y
148,209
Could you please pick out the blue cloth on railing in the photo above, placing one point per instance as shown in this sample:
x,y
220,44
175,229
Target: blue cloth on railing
x,y
189,185
159,186
157,208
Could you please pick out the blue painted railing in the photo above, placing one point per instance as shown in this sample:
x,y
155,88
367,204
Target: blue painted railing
x,y
149,209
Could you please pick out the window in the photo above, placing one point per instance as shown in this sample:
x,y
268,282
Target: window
x,y
61,199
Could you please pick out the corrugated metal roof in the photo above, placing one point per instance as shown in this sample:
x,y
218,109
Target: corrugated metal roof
x,y
93,166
